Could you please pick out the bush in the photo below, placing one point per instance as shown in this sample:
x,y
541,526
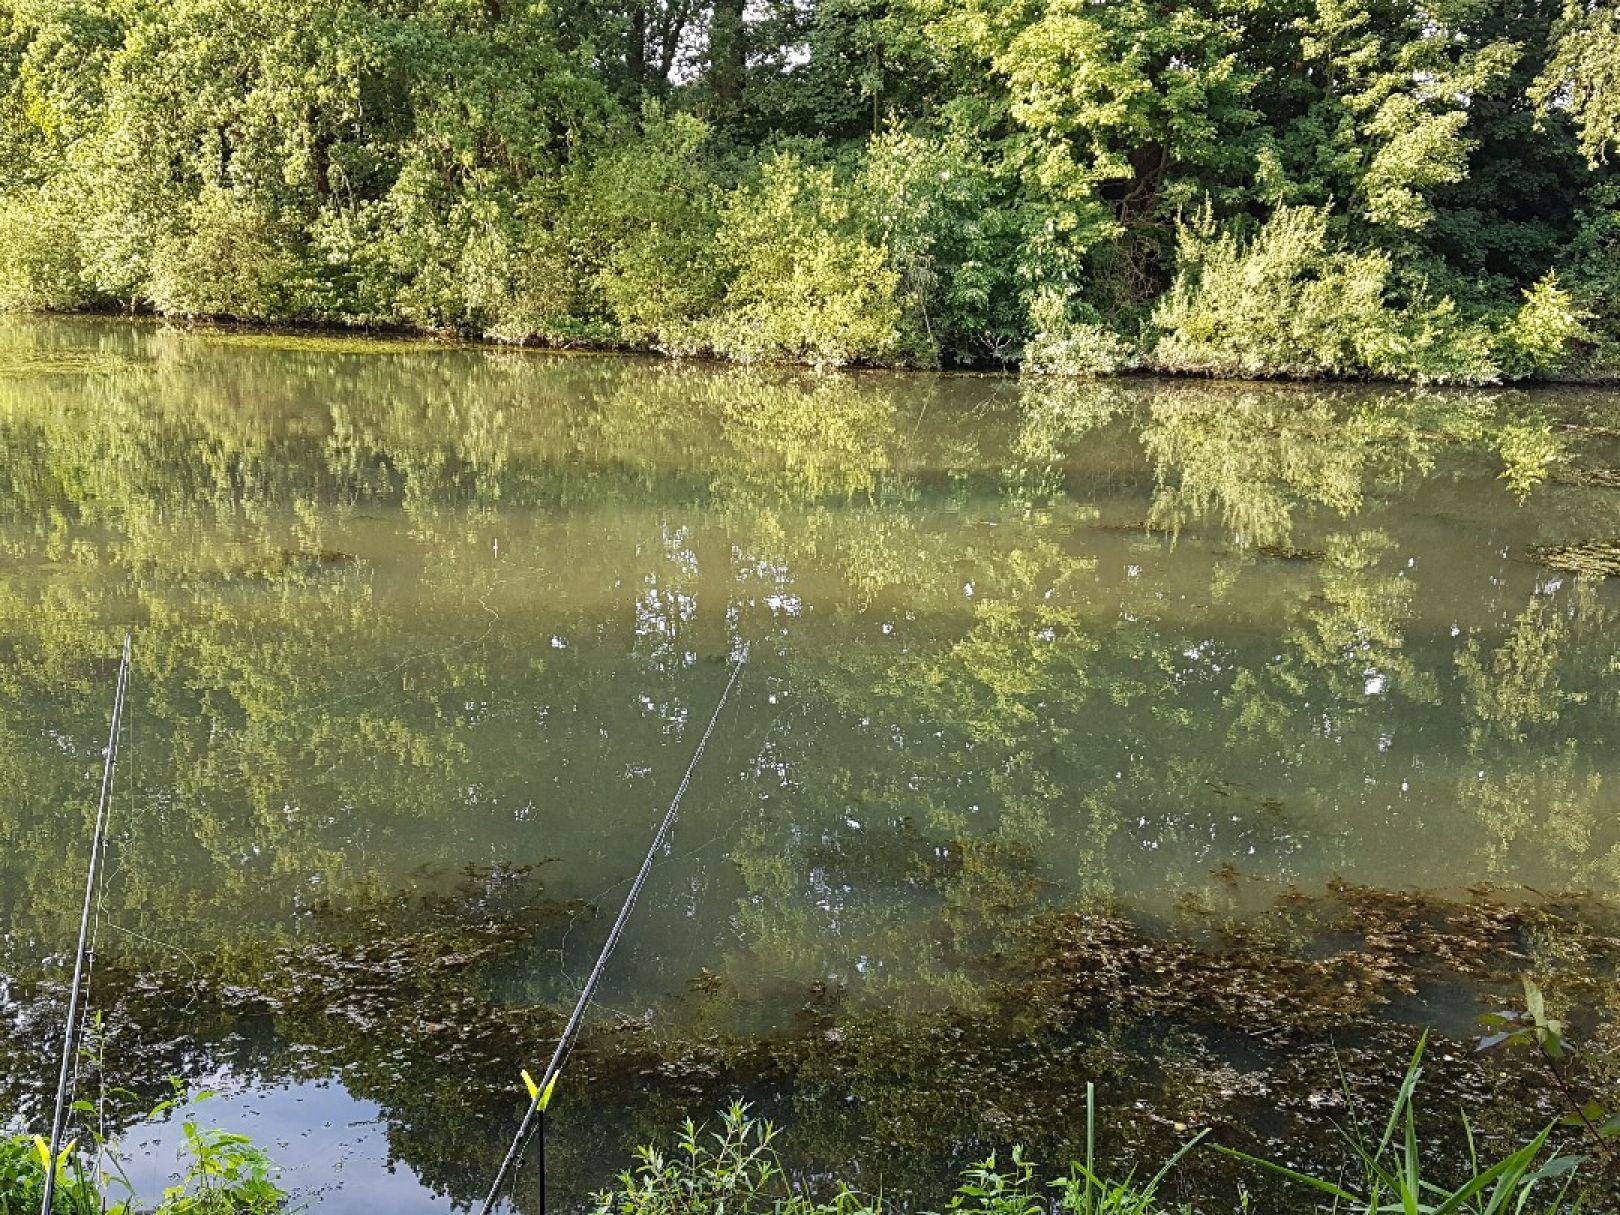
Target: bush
x,y
1538,338
734,1171
806,285
1285,303
407,251
650,208
1061,345
40,262
953,234
1429,340
227,257
1289,302
519,280
1594,280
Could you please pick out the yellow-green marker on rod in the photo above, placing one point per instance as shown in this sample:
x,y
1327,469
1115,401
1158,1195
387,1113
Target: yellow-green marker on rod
x,y
539,1100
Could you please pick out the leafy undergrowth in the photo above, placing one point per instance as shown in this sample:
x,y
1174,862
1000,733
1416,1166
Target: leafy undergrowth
x,y
735,1170
221,1173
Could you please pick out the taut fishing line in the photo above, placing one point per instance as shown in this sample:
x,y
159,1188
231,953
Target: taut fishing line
x,y
98,849
565,1040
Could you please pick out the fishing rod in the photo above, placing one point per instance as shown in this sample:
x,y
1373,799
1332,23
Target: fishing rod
x,y
98,848
540,1094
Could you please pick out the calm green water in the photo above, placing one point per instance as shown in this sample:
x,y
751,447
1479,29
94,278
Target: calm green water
x,y
404,614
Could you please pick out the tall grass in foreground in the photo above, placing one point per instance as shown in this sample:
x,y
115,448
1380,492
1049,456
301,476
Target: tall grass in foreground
x,y
1387,1173
736,1171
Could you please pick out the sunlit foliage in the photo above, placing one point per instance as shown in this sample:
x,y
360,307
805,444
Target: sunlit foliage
x,y
899,182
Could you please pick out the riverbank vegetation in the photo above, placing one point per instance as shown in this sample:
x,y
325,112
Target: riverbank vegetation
x,y
1283,187
220,1173
734,1168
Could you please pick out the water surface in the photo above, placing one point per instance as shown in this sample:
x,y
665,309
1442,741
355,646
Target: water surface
x,y
426,636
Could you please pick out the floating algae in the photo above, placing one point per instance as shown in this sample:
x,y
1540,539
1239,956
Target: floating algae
x,y
1589,558
1588,476
26,364
1289,552
1139,527
316,343
284,564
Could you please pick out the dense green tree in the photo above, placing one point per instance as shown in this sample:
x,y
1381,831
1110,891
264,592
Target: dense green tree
x,y
1511,217
990,182
1583,74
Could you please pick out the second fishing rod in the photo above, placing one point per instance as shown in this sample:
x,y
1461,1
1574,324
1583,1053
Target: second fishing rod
x,y
84,954
540,1091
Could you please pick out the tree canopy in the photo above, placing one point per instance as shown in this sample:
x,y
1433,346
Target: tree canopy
x,y
1075,187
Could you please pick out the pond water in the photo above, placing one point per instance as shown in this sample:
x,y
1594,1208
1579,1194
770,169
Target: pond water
x,y
424,638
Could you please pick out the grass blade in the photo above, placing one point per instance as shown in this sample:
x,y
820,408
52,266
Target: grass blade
x,y
1316,1183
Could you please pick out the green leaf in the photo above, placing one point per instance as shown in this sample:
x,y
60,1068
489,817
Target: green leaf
x,y
1158,1178
1403,1099
1558,1166
1508,1170
1316,1183
1535,1003
1412,1185
1550,1037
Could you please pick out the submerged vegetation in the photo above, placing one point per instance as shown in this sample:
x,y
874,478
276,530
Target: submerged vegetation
x,y
1282,1032
1290,187
1594,558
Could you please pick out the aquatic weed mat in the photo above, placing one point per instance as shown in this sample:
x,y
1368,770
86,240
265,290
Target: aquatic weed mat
x,y
1254,1025
1588,558
31,363
293,342
1587,476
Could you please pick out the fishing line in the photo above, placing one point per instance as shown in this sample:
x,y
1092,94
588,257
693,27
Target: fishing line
x,y
572,1027
98,848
